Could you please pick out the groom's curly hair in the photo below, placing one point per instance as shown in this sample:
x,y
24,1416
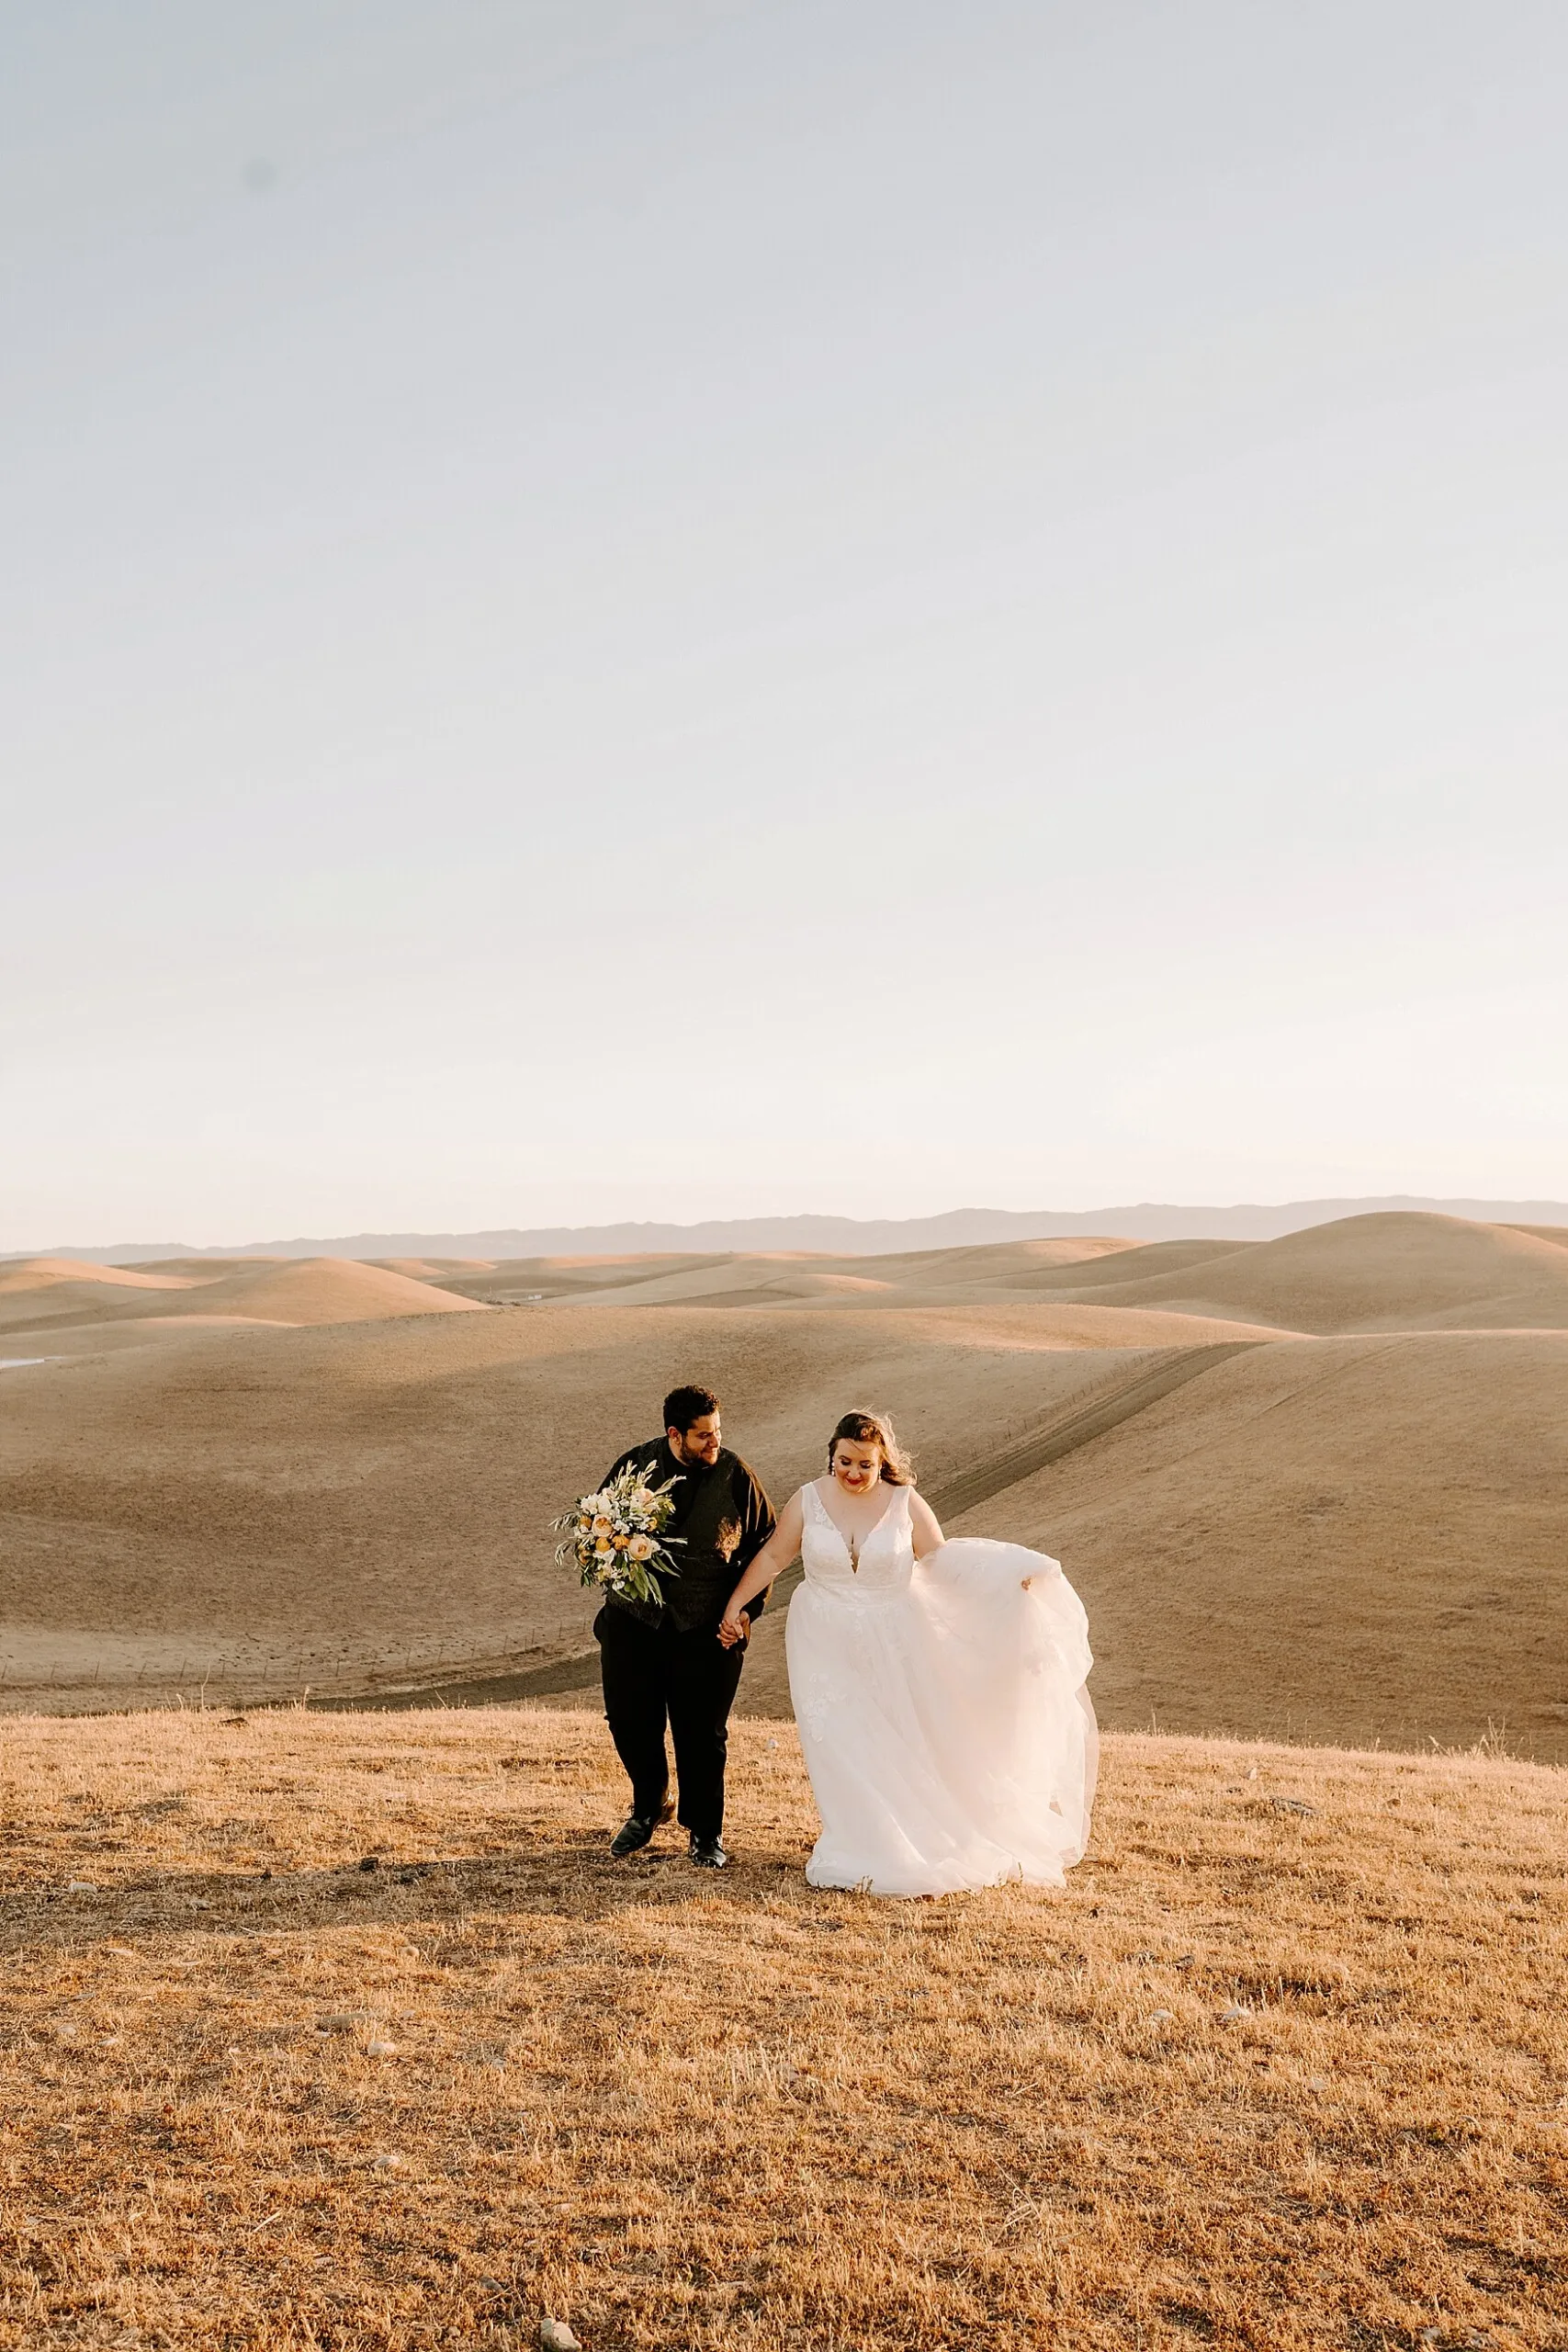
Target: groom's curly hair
x,y
682,1406
875,1429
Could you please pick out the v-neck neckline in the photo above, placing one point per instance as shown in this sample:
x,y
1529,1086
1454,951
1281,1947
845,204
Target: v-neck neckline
x,y
852,1553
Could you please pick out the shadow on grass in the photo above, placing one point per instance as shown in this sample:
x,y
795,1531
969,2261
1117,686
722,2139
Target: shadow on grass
x,y
573,1876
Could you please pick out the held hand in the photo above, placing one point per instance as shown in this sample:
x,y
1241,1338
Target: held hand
x,y
733,1628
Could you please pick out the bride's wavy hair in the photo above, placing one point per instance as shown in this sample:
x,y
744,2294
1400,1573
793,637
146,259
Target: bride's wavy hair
x,y
875,1429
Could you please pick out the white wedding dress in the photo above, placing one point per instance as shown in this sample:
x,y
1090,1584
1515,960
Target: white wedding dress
x,y
949,1737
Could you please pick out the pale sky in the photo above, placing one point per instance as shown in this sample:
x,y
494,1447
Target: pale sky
x,y
699,607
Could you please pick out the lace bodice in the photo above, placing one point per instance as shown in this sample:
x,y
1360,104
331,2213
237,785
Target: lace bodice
x,y
886,1556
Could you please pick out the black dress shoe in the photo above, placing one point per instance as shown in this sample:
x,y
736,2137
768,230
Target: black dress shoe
x,y
637,1830
708,1854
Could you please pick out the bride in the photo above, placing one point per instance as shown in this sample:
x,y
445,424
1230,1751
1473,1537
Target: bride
x,y
938,1687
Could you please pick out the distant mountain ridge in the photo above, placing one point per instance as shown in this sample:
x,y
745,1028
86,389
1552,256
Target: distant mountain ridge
x,y
842,1236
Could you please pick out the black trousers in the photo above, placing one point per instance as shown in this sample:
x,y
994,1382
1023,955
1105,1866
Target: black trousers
x,y
653,1676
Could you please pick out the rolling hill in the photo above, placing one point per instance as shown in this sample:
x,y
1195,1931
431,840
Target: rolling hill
x,y
1345,1522
51,1300
1367,1273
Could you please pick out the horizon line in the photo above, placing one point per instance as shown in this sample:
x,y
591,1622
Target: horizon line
x,y
1108,1221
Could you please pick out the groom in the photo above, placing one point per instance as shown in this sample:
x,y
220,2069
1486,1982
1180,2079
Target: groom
x,y
669,1665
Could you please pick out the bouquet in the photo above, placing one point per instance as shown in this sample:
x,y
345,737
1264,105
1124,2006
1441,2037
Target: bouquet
x,y
613,1536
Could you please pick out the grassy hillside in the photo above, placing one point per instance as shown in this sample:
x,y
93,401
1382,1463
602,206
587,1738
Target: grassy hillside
x,y
1390,1273
1354,1537
1352,1540
1285,2066
281,1506
50,1303
1392,1270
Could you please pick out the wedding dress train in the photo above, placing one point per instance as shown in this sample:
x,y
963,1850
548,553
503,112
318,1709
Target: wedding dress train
x,y
942,1710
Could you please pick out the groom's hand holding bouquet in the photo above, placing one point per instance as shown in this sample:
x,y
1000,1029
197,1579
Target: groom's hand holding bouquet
x,y
617,1536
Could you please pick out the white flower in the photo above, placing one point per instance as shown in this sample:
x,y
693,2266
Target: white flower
x,y
641,1547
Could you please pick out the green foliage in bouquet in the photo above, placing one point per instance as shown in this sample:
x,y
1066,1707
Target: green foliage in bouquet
x,y
617,1537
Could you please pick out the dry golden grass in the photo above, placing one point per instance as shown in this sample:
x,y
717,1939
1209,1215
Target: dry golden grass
x,y
683,2111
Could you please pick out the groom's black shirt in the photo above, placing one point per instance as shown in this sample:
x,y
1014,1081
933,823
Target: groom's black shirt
x,y
723,1517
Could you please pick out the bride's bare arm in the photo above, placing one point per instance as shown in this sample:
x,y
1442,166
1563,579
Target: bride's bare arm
x,y
780,1551
928,1535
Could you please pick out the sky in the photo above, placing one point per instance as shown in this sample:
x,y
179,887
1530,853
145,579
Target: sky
x,y
677,609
